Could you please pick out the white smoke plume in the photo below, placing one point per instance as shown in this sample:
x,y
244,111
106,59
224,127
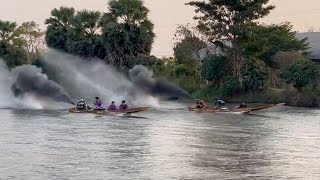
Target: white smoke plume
x,y
87,79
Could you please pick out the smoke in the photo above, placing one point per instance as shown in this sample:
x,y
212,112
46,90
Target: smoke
x,y
5,92
86,79
17,88
143,78
27,87
30,80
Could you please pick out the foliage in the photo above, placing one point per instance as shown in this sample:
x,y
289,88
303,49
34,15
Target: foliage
x,y
59,24
254,75
283,59
301,74
188,84
225,22
227,19
264,42
126,31
214,68
229,86
11,44
148,61
32,38
188,43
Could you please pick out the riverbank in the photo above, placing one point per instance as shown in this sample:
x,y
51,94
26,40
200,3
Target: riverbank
x,y
289,96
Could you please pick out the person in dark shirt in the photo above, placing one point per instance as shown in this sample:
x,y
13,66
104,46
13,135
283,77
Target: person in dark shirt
x,y
243,105
112,106
82,105
123,105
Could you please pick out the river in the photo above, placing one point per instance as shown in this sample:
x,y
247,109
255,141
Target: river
x,y
164,143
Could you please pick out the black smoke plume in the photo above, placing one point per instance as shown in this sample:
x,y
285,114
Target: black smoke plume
x,y
29,79
143,78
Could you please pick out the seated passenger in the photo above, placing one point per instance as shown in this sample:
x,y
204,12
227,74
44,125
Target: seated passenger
x,y
112,107
98,104
82,105
243,105
200,104
219,103
123,105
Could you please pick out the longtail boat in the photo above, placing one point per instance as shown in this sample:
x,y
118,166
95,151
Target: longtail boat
x,y
104,111
227,110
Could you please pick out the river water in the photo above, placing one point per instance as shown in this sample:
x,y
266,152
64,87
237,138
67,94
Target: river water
x,y
164,143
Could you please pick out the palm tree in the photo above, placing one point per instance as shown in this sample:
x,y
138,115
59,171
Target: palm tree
x,y
85,34
58,25
127,31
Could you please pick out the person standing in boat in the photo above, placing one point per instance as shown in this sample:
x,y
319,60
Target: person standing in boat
x,y
98,104
112,106
123,105
219,103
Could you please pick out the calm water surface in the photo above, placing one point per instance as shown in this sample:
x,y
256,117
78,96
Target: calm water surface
x,y
164,143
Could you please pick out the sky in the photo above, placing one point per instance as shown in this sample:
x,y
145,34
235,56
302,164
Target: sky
x,y
165,14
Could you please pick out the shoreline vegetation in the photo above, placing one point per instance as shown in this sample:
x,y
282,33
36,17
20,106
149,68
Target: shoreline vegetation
x,y
228,55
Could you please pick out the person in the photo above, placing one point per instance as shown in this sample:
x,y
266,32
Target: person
x,y
98,104
200,104
112,106
242,105
82,105
219,103
123,105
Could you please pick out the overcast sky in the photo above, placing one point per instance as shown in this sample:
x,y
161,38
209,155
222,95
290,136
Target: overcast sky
x,y
166,14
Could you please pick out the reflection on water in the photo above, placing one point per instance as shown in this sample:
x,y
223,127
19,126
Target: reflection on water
x,y
279,143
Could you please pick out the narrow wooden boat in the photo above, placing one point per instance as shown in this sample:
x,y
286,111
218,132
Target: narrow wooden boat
x,y
130,110
104,111
236,110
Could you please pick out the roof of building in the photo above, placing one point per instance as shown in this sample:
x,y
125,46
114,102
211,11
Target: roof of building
x,y
314,43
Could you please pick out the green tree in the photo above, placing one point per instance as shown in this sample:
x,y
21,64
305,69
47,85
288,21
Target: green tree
x,y
264,42
59,24
214,68
127,31
188,43
11,44
32,37
187,51
84,37
254,75
225,21
229,86
301,74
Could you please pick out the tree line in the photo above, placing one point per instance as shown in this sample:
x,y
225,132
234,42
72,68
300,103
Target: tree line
x,y
229,54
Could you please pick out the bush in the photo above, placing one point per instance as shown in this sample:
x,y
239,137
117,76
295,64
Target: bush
x,y
188,84
229,86
254,74
148,61
301,74
214,68
208,93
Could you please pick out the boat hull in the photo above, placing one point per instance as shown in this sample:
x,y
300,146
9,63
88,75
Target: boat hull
x,y
104,111
226,110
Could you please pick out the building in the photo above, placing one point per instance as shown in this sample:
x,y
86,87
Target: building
x,y
313,40
314,43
